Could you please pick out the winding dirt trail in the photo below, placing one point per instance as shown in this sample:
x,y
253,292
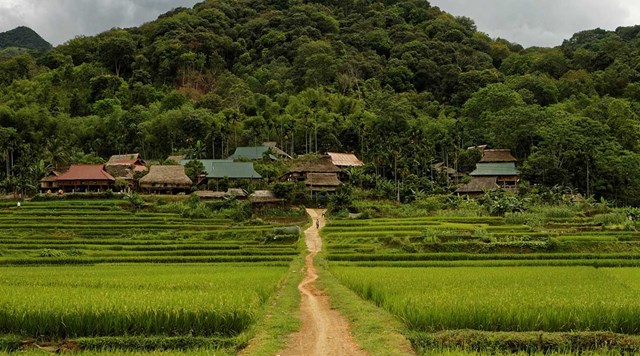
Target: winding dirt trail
x,y
325,332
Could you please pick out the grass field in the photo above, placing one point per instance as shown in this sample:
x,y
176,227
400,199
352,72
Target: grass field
x,y
99,276
87,232
478,284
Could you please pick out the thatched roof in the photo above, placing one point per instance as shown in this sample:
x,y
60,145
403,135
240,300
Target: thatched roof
x,y
129,158
176,158
240,193
497,156
209,194
172,175
322,179
264,196
345,159
478,185
51,177
441,167
322,165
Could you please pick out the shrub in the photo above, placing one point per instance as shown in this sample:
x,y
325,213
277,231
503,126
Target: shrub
x,y
342,199
499,202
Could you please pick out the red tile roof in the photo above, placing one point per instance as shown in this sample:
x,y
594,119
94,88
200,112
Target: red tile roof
x,y
85,172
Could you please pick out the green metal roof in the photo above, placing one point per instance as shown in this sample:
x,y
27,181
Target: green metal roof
x,y
251,153
495,169
226,168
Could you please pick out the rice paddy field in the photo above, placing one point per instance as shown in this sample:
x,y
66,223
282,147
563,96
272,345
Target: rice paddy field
x,y
95,277
492,285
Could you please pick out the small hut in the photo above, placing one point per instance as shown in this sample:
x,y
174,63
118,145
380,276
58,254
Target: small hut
x,y
166,179
48,183
264,197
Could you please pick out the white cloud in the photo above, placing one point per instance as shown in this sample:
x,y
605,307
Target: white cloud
x,y
58,21
543,22
528,22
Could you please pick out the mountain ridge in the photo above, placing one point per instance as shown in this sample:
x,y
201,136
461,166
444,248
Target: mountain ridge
x,y
23,37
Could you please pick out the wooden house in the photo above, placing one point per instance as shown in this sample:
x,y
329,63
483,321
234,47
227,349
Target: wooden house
x,y
496,169
124,167
48,183
318,175
166,179
85,178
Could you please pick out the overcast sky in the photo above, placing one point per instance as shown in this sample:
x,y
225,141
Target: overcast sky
x,y
528,22
543,22
58,21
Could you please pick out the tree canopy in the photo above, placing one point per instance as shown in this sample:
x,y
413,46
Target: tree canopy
x,y
399,82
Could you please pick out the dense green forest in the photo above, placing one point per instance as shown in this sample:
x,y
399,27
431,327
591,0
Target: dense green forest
x,y
399,82
23,37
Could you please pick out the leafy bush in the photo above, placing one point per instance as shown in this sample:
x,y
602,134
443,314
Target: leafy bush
x,y
342,199
134,200
499,202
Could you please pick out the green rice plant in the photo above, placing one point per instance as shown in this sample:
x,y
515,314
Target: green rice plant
x,y
543,343
199,300
554,299
610,219
529,219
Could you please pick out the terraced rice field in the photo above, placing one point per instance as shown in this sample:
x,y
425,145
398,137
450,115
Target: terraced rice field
x,y
83,232
481,285
104,277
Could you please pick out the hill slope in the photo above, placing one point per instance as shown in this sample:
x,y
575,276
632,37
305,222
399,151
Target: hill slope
x,y
23,37
399,82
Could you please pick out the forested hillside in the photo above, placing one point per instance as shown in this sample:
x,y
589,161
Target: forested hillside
x,y
398,82
23,37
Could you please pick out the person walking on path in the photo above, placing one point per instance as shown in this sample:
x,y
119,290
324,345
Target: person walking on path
x,y
317,223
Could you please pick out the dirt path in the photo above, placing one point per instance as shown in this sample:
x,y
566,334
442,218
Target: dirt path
x,y
324,331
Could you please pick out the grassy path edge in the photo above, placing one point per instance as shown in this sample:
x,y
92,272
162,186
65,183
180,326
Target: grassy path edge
x,y
376,330
281,317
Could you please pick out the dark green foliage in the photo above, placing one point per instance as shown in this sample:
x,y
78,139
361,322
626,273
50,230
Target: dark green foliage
x,y
193,169
527,342
342,199
23,37
498,202
400,83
